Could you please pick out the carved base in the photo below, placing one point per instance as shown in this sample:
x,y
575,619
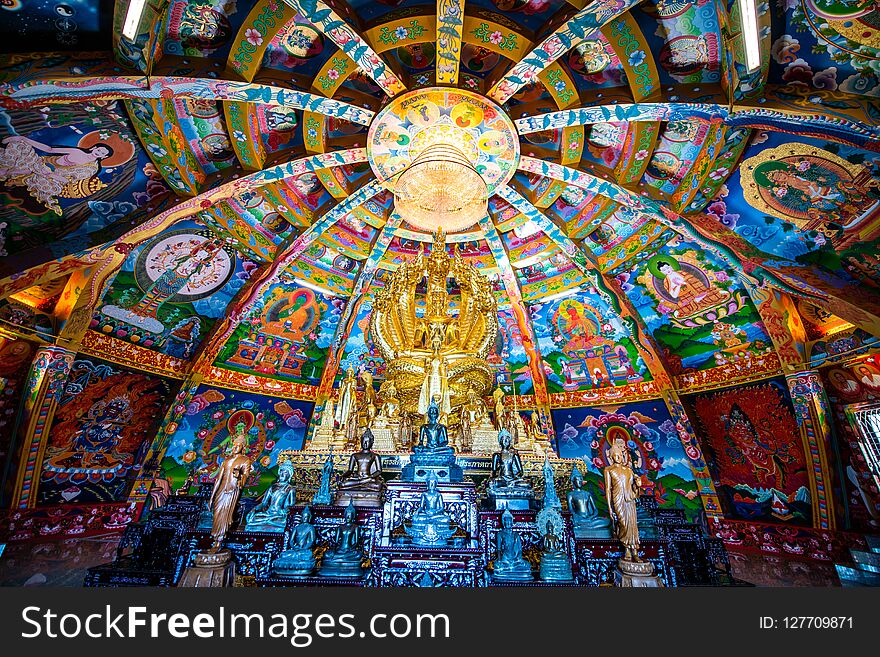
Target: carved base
x,y
383,438
358,498
515,501
209,570
414,472
324,441
485,441
636,574
603,532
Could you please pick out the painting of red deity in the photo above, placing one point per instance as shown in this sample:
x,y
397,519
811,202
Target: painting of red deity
x,y
102,426
753,446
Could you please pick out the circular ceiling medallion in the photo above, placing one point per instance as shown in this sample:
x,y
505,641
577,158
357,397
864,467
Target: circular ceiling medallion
x,y
472,124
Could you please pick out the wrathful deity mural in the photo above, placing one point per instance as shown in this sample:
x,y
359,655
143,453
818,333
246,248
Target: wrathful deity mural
x,y
214,417
752,443
585,344
699,315
105,419
286,334
72,170
172,289
652,439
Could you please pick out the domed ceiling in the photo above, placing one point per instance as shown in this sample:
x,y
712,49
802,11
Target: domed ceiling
x,y
202,199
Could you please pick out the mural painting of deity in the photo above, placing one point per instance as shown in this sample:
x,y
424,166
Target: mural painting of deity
x,y
753,444
48,171
215,416
287,335
584,344
103,420
163,297
812,188
651,438
685,289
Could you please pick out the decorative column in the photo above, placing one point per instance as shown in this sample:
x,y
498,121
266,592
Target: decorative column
x,y
705,485
811,408
140,491
43,391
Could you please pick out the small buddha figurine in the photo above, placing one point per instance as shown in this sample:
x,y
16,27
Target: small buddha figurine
x,y
362,484
509,564
389,409
498,396
507,472
584,513
430,523
555,565
344,559
298,559
369,406
322,496
622,489
551,498
270,513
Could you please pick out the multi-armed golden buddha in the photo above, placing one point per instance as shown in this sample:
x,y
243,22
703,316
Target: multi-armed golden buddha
x,y
436,343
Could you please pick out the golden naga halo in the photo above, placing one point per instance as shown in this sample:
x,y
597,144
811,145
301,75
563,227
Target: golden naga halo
x,y
419,336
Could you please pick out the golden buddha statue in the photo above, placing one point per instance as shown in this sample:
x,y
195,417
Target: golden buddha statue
x,y
435,343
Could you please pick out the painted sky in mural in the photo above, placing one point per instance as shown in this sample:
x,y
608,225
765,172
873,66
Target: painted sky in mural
x,y
202,436
586,433
172,289
105,418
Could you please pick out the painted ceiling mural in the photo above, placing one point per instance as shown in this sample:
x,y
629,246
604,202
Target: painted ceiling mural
x,y
672,223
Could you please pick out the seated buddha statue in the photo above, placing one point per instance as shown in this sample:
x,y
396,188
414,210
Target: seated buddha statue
x,y
555,565
345,557
509,564
270,513
430,523
474,417
298,559
507,487
432,453
362,484
584,514
389,408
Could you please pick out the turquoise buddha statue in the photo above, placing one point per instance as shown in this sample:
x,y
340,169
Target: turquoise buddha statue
x,y
298,560
270,513
431,525
555,565
322,496
509,564
432,453
344,559
584,514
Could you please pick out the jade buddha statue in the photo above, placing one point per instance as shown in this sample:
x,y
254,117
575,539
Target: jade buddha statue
x,y
509,564
584,513
430,523
555,565
322,496
345,557
362,484
432,453
551,498
508,487
270,513
299,558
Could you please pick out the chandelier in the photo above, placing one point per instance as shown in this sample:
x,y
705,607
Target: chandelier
x,y
441,189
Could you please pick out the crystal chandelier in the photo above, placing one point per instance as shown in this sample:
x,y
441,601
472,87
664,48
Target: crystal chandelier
x,y
441,189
